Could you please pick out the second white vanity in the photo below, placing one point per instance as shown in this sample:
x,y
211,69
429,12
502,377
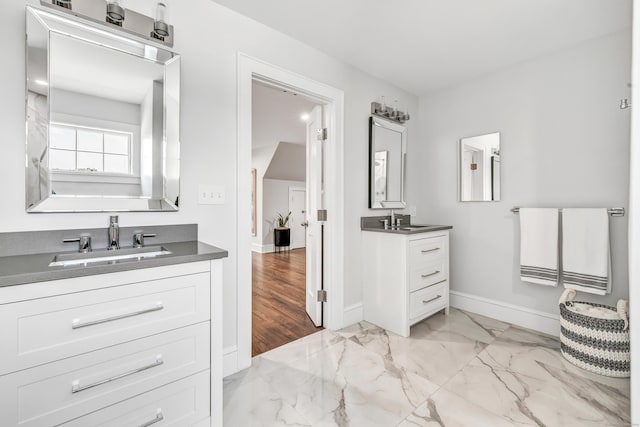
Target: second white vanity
x,y
405,274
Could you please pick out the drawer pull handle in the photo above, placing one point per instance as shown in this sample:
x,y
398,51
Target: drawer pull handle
x,y
77,323
159,417
432,299
430,274
424,251
76,387
433,284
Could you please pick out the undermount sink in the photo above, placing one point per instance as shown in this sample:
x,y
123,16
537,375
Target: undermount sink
x,y
64,260
415,227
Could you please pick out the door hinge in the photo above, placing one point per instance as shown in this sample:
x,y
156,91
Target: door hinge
x,y
322,295
322,134
322,214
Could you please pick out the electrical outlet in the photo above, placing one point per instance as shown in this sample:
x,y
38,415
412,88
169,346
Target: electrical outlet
x,y
210,195
413,211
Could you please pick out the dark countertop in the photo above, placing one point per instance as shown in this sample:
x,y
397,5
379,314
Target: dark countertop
x,y
23,269
426,229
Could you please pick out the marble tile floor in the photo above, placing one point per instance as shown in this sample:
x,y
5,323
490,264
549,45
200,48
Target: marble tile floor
x,y
458,370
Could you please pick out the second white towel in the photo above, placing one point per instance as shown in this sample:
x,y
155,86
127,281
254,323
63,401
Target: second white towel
x,y
539,246
586,257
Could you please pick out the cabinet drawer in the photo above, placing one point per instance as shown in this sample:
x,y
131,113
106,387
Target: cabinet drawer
x,y
182,403
427,250
428,275
428,300
64,390
48,329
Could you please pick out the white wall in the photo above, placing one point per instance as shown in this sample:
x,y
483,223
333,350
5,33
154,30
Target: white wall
x,y
208,137
276,200
564,142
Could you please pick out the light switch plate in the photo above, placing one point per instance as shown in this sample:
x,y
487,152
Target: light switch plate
x,y
210,195
413,211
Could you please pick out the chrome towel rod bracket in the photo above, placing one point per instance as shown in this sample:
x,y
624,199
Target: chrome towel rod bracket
x,y
611,211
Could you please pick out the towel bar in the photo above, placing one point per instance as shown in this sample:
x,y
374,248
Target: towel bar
x,y
611,211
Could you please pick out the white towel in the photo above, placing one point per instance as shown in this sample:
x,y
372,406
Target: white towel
x,y
586,257
539,246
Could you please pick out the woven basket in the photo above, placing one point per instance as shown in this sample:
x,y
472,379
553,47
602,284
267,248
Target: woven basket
x,y
595,344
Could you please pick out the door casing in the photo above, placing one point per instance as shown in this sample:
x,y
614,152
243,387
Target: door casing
x,y
250,69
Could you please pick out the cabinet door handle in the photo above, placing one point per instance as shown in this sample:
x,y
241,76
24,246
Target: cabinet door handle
x,y
424,251
430,274
159,417
432,299
77,323
76,387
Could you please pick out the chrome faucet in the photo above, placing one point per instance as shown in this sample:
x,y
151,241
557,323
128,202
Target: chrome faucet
x,y
114,233
393,218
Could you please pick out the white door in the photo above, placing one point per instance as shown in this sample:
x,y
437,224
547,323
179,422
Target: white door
x,y
314,227
297,201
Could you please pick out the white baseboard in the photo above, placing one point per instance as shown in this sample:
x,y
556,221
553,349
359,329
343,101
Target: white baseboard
x,y
229,360
352,314
521,316
263,249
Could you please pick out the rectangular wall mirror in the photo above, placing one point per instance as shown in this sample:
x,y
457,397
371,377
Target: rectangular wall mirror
x,y
387,150
103,119
479,168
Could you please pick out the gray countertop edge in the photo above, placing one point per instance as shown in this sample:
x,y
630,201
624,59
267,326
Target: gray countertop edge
x,y
14,269
419,231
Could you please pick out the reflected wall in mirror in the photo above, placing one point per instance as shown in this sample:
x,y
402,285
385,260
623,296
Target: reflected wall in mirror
x,y
479,166
387,150
103,119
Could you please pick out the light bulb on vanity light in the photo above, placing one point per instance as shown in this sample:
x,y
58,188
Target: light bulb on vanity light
x,y
304,117
115,12
160,26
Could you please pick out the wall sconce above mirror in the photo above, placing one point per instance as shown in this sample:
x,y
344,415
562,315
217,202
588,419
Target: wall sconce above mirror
x,y
387,151
479,168
103,119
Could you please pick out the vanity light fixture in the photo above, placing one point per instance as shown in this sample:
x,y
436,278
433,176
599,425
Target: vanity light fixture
x,y
304,117
390,113
112,14
115,12
160,26
63,3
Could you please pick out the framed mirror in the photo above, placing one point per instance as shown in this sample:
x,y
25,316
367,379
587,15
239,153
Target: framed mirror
x,y
387,151
103,119
479,168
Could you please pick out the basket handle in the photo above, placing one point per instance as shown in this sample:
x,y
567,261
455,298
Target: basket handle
x,y
623,312
567,296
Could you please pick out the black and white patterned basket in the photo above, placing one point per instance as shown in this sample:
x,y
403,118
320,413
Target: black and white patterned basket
x,y
596,344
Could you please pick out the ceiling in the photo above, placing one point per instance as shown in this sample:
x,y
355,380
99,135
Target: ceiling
x,y
276,116
424,45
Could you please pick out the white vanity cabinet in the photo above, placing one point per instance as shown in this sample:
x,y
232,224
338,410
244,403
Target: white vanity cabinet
x,y
129,348
405,277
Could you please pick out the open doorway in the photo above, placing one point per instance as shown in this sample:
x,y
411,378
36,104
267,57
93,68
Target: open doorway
x,y
286,250
332,311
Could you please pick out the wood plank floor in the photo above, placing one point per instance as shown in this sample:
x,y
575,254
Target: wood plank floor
x,y
279,314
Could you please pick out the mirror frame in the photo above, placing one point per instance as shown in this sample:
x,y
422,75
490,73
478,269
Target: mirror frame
x,y
72,26
396,127
459,167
